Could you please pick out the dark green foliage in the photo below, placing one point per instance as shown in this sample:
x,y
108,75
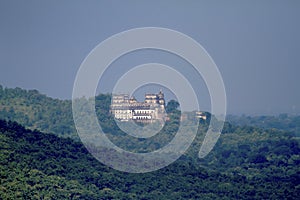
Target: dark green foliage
x,y
247,162
37,111
36,165
172,106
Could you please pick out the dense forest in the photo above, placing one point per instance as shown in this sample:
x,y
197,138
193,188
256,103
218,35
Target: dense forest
x,y
248,162
37,111
35,165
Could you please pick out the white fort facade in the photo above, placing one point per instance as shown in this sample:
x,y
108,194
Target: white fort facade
x,y
125,108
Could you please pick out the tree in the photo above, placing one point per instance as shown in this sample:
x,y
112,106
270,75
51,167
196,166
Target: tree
x,y
172,106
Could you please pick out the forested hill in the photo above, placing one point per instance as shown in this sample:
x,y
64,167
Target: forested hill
x,y
247,162
37,111
35,165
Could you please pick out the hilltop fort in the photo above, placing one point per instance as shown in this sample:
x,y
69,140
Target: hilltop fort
x,y
125,108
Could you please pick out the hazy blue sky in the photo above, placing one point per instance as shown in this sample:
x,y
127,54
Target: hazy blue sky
x,y
255,44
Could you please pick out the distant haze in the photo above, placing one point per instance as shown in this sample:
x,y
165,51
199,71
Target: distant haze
x,y
255,45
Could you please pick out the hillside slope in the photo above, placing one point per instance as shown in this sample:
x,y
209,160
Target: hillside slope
x,y
246,163
35,165
37,111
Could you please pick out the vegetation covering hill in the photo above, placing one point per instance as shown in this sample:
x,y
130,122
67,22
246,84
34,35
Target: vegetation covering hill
x,y
35,165
248,162
37,111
